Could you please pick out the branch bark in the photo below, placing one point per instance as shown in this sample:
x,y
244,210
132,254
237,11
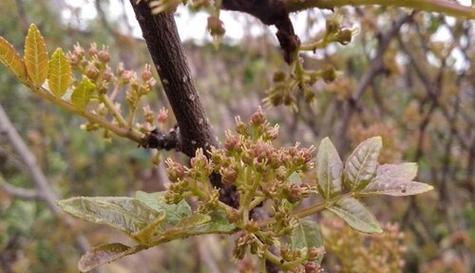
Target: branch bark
x,y
161,36
163,42
270,12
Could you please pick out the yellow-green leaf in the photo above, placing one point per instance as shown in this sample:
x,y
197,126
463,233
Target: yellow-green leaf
x,y
59,74
36,56
10,58
82,93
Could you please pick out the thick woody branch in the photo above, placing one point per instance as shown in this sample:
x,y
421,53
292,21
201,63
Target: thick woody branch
x,y
270,12
158,140
161,36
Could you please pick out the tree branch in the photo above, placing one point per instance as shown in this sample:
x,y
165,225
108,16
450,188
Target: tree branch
x,y
18,192
442,6
161,36
158,140
39,179
163,42
270,12
43,191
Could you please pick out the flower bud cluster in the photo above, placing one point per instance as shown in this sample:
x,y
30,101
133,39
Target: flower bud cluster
x,y
93,63
299,79
261,171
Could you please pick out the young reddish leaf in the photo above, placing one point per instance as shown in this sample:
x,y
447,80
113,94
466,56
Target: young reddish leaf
x,y
356,215
396,180
360,167
329,169
82,93
36,56
59,74
105,254
10,58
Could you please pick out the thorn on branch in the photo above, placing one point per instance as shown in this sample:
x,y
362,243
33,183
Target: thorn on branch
x,y
155,139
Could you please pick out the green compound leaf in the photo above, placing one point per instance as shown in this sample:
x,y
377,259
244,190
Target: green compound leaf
x,y
59,74
103,254
306,235
124,213
329,169
156,201
396,180
356,215
82,93
197,224
360,167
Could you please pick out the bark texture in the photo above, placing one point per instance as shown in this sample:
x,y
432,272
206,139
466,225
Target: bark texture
x,y
163,42
161,35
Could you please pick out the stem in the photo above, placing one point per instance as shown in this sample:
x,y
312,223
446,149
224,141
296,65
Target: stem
x,y
310,210
442,6
122,132
111,107
131,118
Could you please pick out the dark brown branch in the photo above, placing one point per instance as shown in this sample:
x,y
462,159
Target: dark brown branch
x,y
161,35
158,140
270,12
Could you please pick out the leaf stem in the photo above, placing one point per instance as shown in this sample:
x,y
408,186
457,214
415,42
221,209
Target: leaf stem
x,y
110,105
122,132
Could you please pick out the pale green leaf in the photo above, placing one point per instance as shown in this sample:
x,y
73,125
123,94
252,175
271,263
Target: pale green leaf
x,y
105,254
10,57
405,171
36,56
329,169
294,178
59,74
156,201
396,180
196,224
82,93
356,215
360,167
123,213
306,235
